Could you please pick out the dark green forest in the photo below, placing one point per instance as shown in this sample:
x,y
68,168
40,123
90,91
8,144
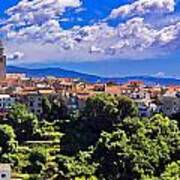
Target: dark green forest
x,y
107,140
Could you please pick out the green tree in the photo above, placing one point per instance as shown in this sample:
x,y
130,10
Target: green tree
x,y
54,108
47,107
172,171
79,166
138,148
102,112
8,143
37,160
25,124
126,107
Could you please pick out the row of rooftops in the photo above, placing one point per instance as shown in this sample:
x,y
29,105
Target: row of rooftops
x,y
20,84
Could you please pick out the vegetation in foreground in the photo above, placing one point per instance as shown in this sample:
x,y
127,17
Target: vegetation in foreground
x,y
106,141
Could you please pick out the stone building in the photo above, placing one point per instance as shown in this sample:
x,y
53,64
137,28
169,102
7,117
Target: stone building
x,y
170,104
2,61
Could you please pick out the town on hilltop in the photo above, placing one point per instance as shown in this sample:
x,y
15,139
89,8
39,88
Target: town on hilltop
x,y
18,88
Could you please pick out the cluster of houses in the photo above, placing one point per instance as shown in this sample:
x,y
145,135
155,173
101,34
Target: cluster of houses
x,y
31,91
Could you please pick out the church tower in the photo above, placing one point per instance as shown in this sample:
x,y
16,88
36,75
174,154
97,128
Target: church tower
x,y
2,62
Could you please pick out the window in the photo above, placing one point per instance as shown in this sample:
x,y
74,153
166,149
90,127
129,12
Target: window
x,y
38,111
3,175
31,103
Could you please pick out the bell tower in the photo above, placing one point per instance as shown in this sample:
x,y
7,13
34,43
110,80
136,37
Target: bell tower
x,y
2,62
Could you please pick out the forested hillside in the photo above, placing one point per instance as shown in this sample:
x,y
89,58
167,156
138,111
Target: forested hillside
x,y
105,141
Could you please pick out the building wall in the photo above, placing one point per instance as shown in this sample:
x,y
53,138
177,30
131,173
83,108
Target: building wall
x,y
5,172
170,105
2,61
34,103
6,101
2,67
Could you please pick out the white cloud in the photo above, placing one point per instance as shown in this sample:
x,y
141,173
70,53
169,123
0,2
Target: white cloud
x,y
141,7
37,21
94,49
36,13
33,28
134,39
37,10
169,34
15,56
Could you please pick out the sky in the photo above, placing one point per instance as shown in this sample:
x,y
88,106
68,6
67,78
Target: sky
x,y
102,37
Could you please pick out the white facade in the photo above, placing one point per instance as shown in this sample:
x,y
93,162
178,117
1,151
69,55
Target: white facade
x,y
5,172
147,110
6,101
170,104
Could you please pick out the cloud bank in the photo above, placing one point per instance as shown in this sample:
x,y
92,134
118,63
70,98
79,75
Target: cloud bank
x,y
33,29
142,7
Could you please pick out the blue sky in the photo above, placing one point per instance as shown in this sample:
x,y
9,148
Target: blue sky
x,y
103,37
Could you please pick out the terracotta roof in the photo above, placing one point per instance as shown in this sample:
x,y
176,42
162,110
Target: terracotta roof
x,y
113,89
50,91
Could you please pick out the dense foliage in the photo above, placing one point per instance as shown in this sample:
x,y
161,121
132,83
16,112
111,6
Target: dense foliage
x,y
7,139
24,123
138,148
106,140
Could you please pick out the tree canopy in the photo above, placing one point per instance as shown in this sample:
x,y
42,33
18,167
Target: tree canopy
x,y
101,113
24,123
106,140
8,143
138,147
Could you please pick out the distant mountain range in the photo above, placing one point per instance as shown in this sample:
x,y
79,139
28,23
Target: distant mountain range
x,y
58,72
